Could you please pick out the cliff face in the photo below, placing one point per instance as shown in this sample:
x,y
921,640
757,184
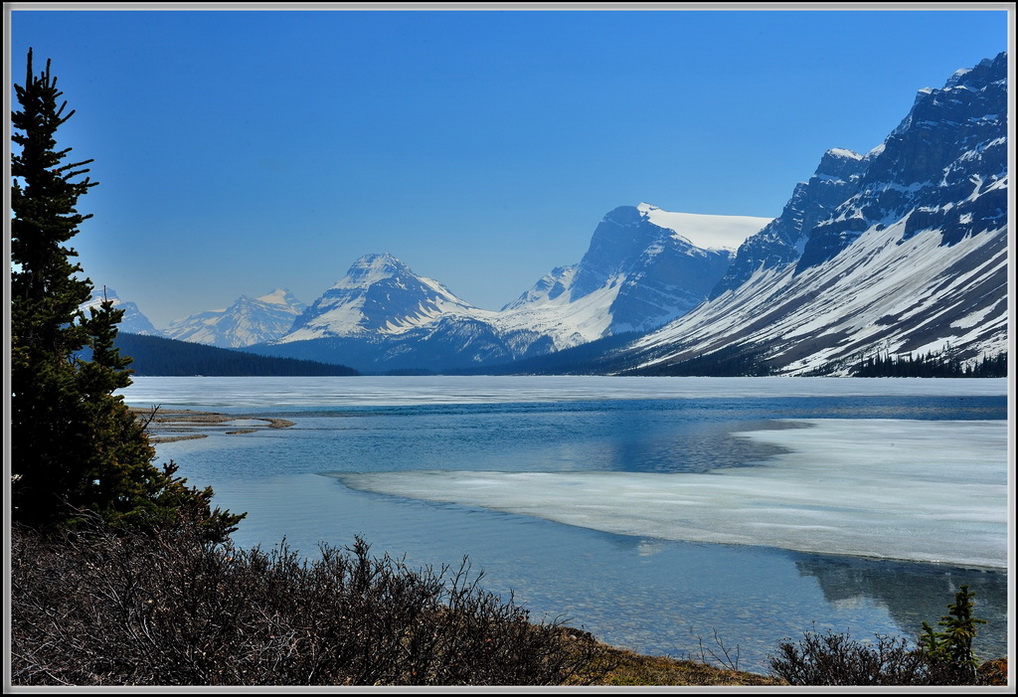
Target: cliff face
x,y
940,168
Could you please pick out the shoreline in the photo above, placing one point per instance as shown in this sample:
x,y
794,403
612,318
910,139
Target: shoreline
x,y
188,423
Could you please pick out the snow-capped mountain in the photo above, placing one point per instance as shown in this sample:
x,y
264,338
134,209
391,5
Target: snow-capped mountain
x,y
247,321
899,250
382,316
911,259
379,295
133,321
644,267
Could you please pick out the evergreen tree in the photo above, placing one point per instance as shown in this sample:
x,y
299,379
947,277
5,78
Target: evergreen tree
x,y
952,648
75,445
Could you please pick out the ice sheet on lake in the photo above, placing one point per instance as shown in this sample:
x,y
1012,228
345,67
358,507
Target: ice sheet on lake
x,y
276,392
916,490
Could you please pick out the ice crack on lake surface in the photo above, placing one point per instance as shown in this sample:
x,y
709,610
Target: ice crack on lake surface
x,y
930,491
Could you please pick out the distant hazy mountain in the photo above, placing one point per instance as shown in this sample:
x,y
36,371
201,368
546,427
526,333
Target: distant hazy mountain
x,y
901,250
382,316
132,321
247,321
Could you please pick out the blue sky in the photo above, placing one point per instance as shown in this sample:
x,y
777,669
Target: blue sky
x,y
239,151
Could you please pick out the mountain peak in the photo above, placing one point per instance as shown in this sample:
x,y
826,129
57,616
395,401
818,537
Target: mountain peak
x,y
987,70
99,294
279,296
378,295
246,322
378,260
133,321
844,153
372,268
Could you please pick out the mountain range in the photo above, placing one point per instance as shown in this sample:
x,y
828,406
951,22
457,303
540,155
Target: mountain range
x,y
898,251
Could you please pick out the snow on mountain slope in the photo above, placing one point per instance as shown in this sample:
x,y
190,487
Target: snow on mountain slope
x,y
940,166
902,249
644,267
381,316
133,321
637,274
917,296
706,231
246,322
913,258
379,295
566,321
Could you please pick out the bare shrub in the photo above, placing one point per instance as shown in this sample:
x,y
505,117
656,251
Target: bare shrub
x,y
937,658
97,607
836,659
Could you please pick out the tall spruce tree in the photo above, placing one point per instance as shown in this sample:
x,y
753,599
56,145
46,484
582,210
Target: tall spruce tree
x,y
76,446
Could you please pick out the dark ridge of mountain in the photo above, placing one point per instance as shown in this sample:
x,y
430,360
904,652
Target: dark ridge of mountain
x,y
451,344
783,240
153,355
938,168
593,358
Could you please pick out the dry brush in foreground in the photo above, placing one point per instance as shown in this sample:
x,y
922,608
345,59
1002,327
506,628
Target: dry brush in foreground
x,y
97,607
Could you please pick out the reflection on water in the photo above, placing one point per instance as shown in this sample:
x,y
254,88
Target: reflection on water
x,y
914,593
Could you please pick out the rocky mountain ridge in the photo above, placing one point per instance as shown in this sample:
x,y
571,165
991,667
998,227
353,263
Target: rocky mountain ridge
x,y
911,260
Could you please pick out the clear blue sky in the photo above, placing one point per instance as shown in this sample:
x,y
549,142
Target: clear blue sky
x,y
238,151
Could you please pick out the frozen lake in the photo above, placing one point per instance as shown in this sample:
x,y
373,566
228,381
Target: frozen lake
x,y
650,511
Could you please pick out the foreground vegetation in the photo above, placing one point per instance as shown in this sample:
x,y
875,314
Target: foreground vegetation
x,y
103,606
97,606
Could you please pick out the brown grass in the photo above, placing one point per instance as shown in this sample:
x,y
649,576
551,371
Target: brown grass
x,y
173,439
632,669
161,422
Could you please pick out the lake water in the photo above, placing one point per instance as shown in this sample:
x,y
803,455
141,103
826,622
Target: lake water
x,y
652,512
